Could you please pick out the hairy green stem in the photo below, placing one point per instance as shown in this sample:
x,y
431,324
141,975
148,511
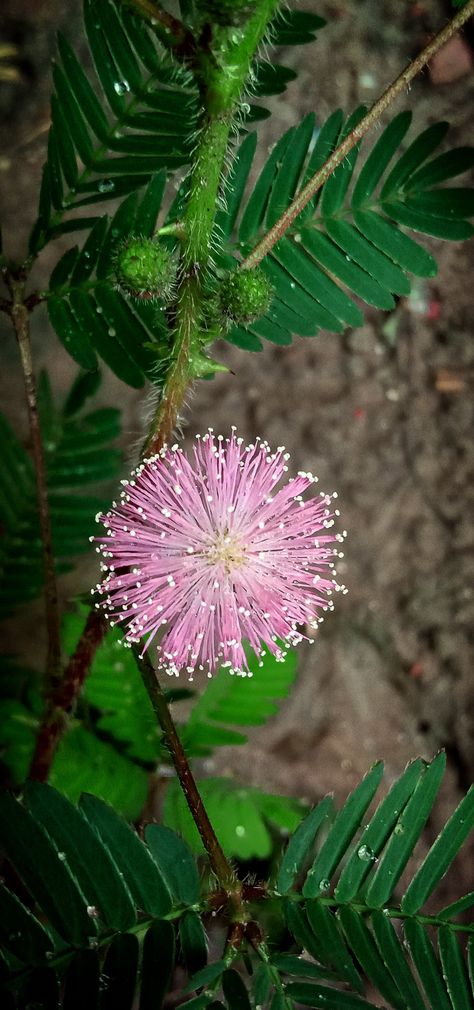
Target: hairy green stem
x,y
398,86
21,323
221,81
219,863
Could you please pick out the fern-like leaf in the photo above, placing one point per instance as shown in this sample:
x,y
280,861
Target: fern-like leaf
x,y
108,141
349,919
74,451
91,316
340,242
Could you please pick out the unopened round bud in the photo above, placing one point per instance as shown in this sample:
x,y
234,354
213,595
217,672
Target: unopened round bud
x,y
145,268
245,295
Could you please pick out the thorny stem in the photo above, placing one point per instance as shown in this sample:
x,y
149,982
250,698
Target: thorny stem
x,y
337,157
64,694
219,863
221,83
21,323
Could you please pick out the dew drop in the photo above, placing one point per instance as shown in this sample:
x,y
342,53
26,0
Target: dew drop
x,y
365,854
240,831
99,310
324,885
121,87
93,912
245,108
106,185
112,332
399,829
62,856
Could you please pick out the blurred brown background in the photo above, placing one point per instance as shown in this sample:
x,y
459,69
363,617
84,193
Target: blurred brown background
x,y
383,414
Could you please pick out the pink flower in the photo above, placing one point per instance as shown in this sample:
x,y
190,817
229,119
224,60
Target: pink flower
x,y
206,553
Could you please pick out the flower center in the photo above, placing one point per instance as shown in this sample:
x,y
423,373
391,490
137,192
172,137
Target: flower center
x,y
226,550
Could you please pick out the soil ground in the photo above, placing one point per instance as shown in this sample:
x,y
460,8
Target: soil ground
x,y
383,414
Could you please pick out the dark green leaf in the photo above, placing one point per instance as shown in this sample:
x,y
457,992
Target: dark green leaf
x,y
418,152
426,964
64,146
454,971
301,844
289,171
193,941
202,978
330,943
394,243
294,28
445,166
85,96
391,951
455,909
405,835
150,205
88,860
375,834
457,203
41,990
157,965
342,832
440,227
310,994
333,260
89,253
317,283
289,964
131,856
76,125
76,342
81,987
368,257
44,871
325,144
120,972
85,385
379,157
20,931
362,944
440,856
255,210
175,861
335,189
235,991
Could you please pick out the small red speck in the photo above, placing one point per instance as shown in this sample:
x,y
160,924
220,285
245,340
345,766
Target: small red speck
x,y
416,671
359,412
434,310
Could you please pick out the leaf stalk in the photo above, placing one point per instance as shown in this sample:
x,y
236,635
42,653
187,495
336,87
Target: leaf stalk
x,y
400,84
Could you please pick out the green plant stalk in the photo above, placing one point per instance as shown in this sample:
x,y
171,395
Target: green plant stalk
x,y
219,863
399,85
20,317
221,81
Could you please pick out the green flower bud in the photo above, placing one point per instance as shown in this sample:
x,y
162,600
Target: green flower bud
x,y
145,268
226,12
245,295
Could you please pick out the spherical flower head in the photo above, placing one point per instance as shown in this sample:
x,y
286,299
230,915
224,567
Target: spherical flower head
x,y
145,268
245,295
204,553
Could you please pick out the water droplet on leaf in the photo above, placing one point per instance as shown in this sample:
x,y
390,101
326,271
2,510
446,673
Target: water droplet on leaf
x,y
365,854
121,87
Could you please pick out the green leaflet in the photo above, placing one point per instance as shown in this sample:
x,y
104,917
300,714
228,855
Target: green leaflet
x,y
240,816
74,445
354,240
87,127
